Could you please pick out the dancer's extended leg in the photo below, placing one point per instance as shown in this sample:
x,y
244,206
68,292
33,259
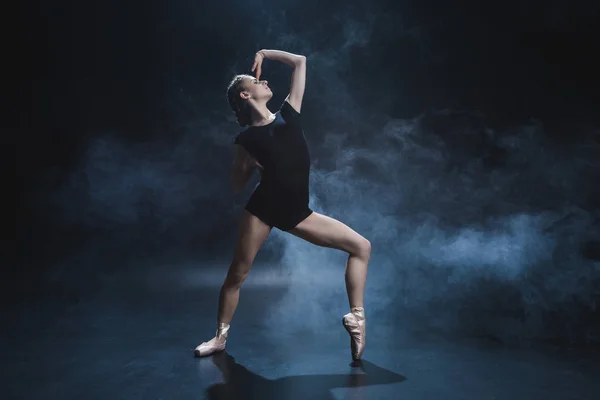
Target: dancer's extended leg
x,y
251,235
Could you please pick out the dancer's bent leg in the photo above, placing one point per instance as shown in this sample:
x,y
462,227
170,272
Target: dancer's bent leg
x,y
325,231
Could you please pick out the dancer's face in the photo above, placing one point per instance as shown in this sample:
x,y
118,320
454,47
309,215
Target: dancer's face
x,y
255,89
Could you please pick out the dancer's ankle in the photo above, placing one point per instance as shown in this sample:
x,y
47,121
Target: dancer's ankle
x,y
358,311
222,330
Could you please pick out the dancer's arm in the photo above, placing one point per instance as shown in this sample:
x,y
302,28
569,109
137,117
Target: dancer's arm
x,y
298,62
243,167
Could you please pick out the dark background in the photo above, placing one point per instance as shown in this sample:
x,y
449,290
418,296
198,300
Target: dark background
x,y
123,139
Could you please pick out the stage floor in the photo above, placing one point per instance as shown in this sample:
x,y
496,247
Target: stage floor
x,y
136,341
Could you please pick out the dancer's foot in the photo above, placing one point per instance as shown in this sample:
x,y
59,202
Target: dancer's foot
x,y
356,325
215,344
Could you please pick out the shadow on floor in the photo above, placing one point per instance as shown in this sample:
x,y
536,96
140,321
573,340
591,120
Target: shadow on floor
x,y
241,383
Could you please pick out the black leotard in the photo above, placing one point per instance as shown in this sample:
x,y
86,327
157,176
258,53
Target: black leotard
x,y
281,197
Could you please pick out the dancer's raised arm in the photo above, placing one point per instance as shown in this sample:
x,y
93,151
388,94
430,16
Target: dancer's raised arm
x,y
298,62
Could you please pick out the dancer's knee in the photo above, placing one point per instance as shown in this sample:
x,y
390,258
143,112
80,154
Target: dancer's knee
x,y
236,275
363,248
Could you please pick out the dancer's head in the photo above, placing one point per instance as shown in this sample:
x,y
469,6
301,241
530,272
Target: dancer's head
x,y
246,93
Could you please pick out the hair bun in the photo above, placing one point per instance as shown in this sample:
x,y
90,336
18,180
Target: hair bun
x,y
238,106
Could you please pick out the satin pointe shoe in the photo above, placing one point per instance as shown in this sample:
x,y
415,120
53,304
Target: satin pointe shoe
x,y
215,344
356,325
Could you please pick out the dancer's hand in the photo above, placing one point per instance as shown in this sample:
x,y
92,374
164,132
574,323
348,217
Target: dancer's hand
x,y
258,59
252,162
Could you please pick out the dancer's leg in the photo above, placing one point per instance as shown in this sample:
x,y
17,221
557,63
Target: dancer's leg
x,y
328,232
251,235
325,231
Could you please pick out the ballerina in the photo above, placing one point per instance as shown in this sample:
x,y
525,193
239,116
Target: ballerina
x,y
275,145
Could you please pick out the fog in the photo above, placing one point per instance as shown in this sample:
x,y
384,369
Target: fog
x,y
476,228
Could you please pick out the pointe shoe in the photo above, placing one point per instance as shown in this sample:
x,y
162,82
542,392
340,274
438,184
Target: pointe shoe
x,y
215,344
356,325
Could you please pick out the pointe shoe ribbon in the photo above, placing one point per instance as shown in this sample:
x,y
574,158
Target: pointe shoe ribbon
x,y
355,323
215,344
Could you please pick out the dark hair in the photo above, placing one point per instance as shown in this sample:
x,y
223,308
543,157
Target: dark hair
x,y
237,104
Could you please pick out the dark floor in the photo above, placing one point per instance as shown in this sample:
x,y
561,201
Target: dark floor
x,y
133,340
